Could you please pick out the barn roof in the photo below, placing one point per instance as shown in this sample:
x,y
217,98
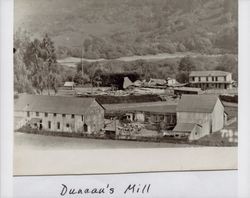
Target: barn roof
x,y
197,103
184,127
153,107
53,104
209,73
166,108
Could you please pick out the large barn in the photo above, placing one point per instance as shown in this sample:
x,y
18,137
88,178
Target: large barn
x,y
199,115
60,114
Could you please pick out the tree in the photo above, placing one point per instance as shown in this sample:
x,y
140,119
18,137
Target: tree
x,y
81,79
185,67
182,77
22,83
229,63
40,60
87,43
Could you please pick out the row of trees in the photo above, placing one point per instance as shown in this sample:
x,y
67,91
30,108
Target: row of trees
x,y
36,68
35,64
99,72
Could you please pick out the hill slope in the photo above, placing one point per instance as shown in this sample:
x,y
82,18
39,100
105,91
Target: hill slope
x,y
115,28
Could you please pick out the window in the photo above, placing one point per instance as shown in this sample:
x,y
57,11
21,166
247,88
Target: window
x,y
225,78
67,125
63,115
216,78
46,114
58,125
28,114
37,113
73,116
49,124
199,78
82,117
54,114
206,78
212,78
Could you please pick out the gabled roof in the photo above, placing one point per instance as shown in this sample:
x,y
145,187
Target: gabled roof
x,y
197,103
127,82
166,108
53,104
184,127
154,107
209,73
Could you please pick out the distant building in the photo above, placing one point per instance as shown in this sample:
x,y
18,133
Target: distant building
x,y
187,90
69,85
211,79
60,114
199,115
127,83
171,82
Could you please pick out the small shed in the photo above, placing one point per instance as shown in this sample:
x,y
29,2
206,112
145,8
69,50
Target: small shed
x,y
190,130
171,81
69,85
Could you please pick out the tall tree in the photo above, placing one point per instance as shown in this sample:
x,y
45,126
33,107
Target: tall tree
x,y
22,82
186,64
185,67
40,59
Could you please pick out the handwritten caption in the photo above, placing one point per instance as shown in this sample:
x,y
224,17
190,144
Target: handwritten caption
x,y
108,190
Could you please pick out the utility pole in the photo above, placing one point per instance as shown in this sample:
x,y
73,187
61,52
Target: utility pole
x,y
82,61
81,46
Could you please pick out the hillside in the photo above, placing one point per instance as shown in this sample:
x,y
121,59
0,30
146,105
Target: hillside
x,y
116,28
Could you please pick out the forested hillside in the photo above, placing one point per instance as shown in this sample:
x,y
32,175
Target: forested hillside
x,y
115,28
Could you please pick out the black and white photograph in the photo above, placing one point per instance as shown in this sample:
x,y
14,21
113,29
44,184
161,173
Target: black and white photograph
x,y
117,86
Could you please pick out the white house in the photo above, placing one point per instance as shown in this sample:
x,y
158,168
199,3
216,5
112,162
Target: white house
x,y
211,79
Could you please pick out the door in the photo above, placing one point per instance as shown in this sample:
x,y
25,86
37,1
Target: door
x,y
85,128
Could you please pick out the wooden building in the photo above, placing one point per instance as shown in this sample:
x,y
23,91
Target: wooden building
x,y
150,112
62,114
211,79
69,85
171,82
203,114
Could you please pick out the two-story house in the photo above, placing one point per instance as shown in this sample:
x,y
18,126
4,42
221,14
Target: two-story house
x,y
211,79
